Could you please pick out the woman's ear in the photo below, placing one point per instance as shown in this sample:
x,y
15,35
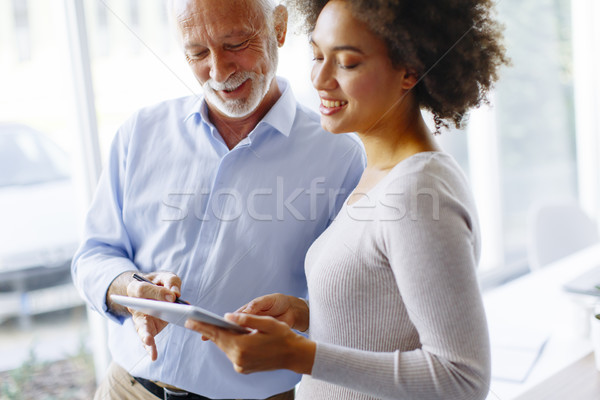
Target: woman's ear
x,y
409,78
280,19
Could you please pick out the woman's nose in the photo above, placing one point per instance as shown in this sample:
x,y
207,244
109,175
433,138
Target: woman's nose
x,y
322,76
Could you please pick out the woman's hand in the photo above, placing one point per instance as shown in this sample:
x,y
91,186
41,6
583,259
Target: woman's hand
x,y
289,309
271,345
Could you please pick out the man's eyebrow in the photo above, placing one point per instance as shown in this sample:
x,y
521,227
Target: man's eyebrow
x,y
188,46
239,34
341,47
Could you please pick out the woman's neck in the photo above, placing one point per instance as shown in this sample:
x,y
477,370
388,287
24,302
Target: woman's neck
x,y
387,147
397,139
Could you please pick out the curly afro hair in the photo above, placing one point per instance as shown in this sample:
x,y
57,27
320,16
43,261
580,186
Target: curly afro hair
x,y
454,46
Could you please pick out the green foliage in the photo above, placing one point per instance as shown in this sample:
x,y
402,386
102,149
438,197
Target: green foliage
x,y
69,379
14,389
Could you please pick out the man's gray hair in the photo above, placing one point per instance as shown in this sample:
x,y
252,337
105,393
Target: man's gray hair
x,y
266,6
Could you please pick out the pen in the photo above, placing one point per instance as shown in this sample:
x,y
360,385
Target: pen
x,y
142,279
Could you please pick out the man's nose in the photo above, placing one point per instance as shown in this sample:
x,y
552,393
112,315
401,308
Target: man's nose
x,y
222,67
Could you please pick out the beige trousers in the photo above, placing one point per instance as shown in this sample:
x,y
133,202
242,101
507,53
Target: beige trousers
x,y
119,385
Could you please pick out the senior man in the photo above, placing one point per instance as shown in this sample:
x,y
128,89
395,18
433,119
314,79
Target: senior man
x,y
214,198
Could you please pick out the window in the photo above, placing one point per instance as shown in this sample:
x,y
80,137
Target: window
x,y
135,60
41,314
522,150
535,115
22,29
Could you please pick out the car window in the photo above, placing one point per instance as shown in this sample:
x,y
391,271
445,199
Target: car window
x,y
28,158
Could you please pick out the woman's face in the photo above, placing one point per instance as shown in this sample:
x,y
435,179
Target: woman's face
x,y
359,88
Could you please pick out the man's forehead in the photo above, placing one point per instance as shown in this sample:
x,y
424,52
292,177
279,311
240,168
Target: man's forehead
x,y
187,12
217,19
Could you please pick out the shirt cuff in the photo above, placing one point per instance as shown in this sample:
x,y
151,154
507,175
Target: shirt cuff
x,y
110,270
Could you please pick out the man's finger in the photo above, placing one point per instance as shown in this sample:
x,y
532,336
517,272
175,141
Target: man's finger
x,y
149,291
152,352
145,335
142,327
168,280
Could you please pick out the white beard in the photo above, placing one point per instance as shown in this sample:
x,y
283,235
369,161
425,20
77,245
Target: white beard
x,y
260,85
240,107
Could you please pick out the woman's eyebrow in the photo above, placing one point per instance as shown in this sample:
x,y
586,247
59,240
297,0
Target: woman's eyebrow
x,y
348,48
341,47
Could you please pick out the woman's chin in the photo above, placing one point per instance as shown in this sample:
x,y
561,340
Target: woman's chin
x,y
334,129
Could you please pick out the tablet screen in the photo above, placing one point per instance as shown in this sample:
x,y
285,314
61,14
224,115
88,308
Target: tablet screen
x,y
176,313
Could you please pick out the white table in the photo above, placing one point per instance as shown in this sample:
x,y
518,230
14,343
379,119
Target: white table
x,y
537,302
579,381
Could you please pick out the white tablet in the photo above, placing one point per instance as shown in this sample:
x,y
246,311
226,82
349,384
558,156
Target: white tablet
x,y
176,313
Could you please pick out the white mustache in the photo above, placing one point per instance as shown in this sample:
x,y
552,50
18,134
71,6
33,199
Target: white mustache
x,y
230,84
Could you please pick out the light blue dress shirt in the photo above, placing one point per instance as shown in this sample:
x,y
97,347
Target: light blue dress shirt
x,y
233,224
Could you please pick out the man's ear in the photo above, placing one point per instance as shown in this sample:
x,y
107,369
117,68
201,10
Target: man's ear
x,y
409,79
280,19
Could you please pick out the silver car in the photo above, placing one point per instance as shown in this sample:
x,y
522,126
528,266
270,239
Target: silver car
x,y
38,224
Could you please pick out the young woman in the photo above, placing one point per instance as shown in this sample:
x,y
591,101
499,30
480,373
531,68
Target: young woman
x,y
395,310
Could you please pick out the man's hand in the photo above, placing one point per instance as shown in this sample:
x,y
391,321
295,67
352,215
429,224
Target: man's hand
x,y
289,309
166,288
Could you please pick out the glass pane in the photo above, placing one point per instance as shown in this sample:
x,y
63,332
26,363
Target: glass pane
x,y
454,142
28,157
43,322
535,114
136,61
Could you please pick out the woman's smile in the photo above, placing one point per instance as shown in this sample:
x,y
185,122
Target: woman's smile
x,y
330,106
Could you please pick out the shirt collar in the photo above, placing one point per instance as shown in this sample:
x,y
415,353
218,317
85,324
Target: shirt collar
x,y
280,116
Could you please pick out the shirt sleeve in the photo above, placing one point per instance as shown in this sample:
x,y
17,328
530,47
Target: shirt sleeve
x,y
105,251
433,252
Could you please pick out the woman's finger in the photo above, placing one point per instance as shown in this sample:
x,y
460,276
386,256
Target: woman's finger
x,y
260,323
210,332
